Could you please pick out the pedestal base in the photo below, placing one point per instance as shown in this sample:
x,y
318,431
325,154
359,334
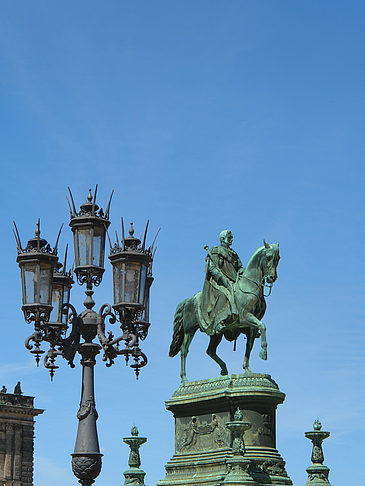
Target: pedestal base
x,y
203,455
318,475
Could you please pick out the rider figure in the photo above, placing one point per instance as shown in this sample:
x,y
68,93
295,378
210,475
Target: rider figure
x,y
223,266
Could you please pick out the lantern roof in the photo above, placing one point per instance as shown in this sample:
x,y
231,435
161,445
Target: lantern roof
x,y
89,208
36,244
132,244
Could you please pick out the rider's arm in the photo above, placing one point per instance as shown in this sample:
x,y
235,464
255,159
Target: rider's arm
x,y
214,270
240,266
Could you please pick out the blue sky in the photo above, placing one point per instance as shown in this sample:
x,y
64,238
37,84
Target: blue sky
x,y
201,115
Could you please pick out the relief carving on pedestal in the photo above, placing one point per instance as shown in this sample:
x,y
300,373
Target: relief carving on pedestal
x,y
187,437
267,426
270,467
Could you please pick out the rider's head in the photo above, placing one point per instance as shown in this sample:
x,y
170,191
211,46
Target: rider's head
x,y
226,237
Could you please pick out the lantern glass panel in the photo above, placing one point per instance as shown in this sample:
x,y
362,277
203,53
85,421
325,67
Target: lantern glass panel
x,y
84,246
118,281
131,284
98,246
142,284
56,302
29,271
45,284
66,300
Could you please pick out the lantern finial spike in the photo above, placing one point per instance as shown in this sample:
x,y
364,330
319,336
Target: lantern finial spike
x,y
155,239
17,242
123,237
17,237
110,243
96,190
64,260
58,237
108,206
37,232
89,197
69,207
145,234
72,201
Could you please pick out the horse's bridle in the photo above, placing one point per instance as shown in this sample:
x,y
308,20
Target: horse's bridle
x,y
260,286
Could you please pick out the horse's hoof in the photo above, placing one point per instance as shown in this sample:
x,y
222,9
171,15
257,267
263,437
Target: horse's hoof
x,y
263,354
224,372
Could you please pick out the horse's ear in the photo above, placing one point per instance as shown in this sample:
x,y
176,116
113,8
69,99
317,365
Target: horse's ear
x,y
266,244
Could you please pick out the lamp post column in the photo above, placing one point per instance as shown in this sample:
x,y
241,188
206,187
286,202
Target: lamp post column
x,y
86,459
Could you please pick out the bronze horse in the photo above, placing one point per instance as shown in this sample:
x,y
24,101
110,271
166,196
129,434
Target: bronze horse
x,y
250,302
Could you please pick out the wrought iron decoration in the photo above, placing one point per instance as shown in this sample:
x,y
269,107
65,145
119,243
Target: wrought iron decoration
x,y
46,286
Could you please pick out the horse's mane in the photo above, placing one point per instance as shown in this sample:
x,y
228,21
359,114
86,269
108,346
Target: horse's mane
x,y
273,246
254,255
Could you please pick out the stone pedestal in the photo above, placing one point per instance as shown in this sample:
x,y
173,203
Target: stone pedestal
x,y
16,439
317,472
203,443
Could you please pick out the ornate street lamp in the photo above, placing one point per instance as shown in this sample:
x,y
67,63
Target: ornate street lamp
x,y
46,287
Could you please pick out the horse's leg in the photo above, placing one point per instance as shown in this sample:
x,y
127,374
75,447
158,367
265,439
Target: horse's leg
x,y
251,334
184,352
211,351
261,327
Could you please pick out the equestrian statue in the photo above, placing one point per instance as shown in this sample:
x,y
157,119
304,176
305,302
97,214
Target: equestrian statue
x,y
232,302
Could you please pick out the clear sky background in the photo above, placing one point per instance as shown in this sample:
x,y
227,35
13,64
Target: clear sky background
x,y
201,115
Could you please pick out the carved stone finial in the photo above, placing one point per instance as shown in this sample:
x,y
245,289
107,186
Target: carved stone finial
x,y
317,472
238,415
317,425
238,465
134,475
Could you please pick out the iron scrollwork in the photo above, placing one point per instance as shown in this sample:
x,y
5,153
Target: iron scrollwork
x,y
67,346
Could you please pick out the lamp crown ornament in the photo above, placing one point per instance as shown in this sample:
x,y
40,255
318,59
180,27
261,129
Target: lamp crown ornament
x,y
46,287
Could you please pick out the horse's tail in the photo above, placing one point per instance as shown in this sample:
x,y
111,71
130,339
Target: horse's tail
x,y
178,332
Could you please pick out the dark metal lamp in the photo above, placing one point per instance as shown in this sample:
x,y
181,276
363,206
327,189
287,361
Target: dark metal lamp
x,y
46,289
89,226
37,262
61,288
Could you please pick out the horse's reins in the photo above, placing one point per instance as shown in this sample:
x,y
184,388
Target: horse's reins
x,y
260,286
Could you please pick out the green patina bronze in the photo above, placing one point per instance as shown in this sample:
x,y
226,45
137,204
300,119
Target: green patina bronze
x,y
225,433
134,476
317,472
232,302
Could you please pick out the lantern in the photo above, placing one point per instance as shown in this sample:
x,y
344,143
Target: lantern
x,y
89,226
37,262
130,266
62,283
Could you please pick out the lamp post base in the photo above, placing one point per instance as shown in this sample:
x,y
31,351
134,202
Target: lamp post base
x,y
86,467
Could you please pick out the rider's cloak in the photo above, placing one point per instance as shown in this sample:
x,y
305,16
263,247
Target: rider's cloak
x,y
217,304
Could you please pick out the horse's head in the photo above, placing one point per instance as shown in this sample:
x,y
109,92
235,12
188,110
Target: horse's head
x,y
269,261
